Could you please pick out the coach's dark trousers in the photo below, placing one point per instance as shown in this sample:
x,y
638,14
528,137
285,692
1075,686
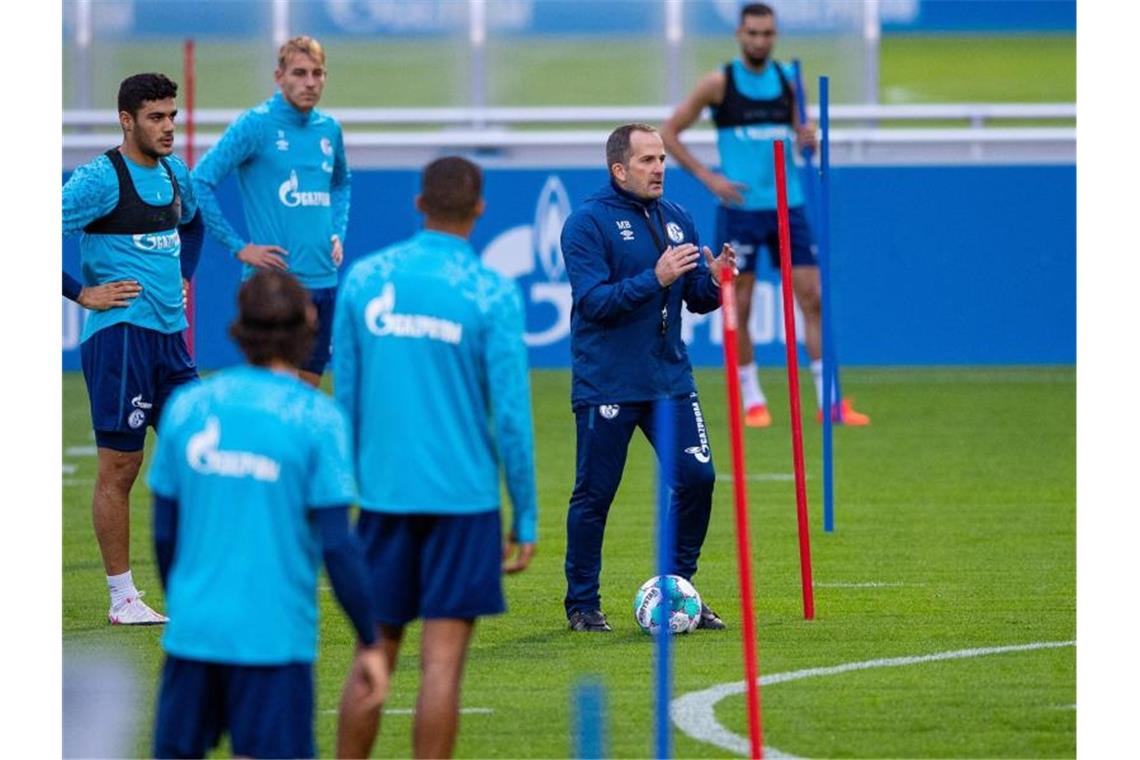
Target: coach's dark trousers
x,y
604,433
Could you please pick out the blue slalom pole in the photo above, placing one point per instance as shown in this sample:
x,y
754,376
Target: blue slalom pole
x,y
807,176
830,371
666,434
825,228
589,719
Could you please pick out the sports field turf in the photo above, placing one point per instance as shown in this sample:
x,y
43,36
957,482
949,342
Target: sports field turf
x,y
605,71
955,530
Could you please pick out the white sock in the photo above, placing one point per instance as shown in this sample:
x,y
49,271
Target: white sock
x,y
122,587
750,386
817,375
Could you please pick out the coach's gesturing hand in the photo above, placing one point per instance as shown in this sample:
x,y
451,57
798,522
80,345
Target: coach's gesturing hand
x,y
523,553
726,258
675,262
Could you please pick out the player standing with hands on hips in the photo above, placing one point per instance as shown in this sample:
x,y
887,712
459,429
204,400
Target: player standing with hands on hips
x,y
752,103
294,180
141,234
633,261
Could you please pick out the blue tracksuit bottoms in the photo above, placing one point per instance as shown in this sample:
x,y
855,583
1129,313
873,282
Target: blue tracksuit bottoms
x,y
604,433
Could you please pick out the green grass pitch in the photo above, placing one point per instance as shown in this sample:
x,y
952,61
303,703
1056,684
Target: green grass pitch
x,y
956,519
605,71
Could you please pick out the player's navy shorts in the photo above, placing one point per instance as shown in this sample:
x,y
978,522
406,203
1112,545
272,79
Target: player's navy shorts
x,y
266,709
432,566
325,301
131,372
748,230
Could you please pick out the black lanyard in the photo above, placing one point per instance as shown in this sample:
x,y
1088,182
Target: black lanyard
x,y
660,250
653,230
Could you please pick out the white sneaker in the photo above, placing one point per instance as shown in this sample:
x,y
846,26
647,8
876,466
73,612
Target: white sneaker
x,y
134,611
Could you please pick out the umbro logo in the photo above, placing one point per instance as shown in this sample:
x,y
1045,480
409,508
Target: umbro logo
x,y
625,229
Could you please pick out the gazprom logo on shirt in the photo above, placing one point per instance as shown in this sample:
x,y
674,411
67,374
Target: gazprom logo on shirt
x,y
765,132
291,196
158,241
204,456
381,319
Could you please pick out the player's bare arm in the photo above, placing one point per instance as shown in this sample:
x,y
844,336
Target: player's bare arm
x,y
805,131
708,92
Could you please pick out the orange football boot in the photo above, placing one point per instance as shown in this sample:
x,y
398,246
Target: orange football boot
x,y
757,416
846,416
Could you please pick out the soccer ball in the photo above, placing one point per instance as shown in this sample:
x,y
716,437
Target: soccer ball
x,y
681,605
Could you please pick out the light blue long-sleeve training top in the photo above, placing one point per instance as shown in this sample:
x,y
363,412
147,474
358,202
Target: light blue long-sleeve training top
x,y
151,259
294,183
429,364
248,454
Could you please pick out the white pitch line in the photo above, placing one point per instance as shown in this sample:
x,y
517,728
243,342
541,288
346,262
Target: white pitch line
x,y
412,711
71,482
69,469
694,713
80,451
862,585
762,477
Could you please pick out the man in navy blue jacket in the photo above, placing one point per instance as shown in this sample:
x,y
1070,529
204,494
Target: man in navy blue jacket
x,y
633,258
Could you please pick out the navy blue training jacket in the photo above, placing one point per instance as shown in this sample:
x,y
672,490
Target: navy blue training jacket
x,y
620,351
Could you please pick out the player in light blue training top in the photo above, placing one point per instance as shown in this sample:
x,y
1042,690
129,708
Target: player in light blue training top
x,y
753,103
294,180
140,234
252,482
430,364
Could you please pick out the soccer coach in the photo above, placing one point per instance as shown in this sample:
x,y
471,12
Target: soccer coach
x,y
633,259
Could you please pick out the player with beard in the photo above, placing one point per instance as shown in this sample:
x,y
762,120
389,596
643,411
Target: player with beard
x,y
753,103
136,212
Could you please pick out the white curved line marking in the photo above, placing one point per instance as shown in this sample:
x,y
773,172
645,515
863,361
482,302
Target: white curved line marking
x,y
694,713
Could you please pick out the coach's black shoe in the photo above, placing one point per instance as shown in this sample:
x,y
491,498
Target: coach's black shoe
x,y
589,620
709,619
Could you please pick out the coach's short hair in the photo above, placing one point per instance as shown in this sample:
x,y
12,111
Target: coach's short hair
x,y
276,319
756,9
450,189
303,44
140,88
619,146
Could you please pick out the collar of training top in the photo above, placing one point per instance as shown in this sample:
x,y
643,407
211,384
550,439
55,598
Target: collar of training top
x,y
649,204
282,107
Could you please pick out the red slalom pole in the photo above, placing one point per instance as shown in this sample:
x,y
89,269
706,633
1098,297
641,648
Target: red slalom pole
x,y
793,377
188,97
739,488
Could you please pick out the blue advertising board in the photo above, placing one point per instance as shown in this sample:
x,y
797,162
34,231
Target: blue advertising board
x,y
930,265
